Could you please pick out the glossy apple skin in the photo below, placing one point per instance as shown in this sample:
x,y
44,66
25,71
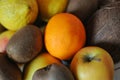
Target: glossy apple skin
x,y
4,38
49,8
92,63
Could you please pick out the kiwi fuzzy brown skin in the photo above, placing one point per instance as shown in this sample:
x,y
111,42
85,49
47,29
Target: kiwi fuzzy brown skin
x,y
25,44
103,29
53,72
8,69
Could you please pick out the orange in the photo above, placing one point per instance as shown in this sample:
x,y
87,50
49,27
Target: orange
x,y
64,35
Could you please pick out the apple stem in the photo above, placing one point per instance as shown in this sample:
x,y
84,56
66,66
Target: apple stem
x,y
90,58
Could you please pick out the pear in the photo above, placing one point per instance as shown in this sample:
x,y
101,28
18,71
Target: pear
x,y
15,14
49,8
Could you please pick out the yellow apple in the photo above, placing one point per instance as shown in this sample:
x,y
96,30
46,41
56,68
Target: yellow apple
x,y
48,8
92,63
42,60
4,38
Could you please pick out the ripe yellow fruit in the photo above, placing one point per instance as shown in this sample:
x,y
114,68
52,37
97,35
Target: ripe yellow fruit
x,y
4,39
15,14
92,63
49,8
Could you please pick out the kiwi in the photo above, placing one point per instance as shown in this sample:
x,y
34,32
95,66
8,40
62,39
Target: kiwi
x,y
103,29
25,44
8,69
53,72
82,8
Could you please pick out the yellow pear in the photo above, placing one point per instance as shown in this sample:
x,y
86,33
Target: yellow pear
x,y
48,8
15,14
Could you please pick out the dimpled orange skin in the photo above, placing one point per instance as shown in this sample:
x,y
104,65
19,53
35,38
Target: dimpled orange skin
x,y
64,35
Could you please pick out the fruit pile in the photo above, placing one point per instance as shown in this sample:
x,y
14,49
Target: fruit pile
x,y
59,40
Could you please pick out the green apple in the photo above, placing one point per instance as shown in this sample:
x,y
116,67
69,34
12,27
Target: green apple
x,y
42,60
49,8
92,63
